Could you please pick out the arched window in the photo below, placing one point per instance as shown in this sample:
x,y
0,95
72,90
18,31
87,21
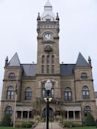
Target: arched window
x,y
85,92
28,93
52,59
43,59
10,92
52,69
48,69
42,69
83,75
11,76
87,109
8,110
67,94
48,59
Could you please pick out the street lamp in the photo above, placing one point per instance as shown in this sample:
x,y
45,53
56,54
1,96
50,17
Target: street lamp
x,y
48,91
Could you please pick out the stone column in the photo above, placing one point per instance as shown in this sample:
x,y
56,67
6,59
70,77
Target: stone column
x,y
27,115
74,115
21,115
67,115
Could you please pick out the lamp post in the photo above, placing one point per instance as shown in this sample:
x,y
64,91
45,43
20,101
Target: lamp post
x,y
14,117
48,89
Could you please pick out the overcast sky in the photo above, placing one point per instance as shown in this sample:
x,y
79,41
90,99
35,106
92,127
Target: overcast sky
x,y
78,30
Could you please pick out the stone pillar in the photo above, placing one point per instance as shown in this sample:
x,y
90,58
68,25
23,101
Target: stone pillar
x,y
21,115
67,115
27,115
74,115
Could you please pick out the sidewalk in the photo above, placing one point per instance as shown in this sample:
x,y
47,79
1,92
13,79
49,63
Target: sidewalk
x,y
52,125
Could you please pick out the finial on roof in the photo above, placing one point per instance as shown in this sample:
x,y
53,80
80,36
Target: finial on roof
x,y
6,61
38,18
89,60
57,17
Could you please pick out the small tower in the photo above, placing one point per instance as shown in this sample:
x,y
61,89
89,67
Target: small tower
x,y
48,41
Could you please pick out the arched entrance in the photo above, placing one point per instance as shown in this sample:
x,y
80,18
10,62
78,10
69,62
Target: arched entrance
x,y
51,113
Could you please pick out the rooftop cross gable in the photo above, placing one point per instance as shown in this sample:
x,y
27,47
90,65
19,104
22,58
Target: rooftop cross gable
x,y
14,60
81,61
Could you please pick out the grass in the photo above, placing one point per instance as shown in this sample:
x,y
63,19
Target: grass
x,y
85,127
10,128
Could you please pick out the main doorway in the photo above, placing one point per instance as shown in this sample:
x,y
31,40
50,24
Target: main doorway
x,y
51,114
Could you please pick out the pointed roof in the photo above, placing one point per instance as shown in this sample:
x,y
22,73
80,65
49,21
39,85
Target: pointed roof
x,y
48,12
81,61
14,60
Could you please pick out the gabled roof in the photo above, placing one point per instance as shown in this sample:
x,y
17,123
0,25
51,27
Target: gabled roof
x,y
29,69
67,69
81,61
14,60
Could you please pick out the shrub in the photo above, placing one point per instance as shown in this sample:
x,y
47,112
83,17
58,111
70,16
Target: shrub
x,y
70,124
89,120
6,120
27,124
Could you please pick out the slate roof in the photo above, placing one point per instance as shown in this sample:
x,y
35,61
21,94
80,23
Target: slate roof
x,y
81,61
14,60
29,69
66,69
95,94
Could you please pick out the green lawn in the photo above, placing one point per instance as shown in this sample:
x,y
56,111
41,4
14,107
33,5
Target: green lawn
x,y
10,128
84,128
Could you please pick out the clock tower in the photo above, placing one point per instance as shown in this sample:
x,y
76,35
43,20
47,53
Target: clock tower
x,y
48,41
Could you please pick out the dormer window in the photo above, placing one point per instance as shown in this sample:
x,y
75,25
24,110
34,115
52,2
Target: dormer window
x,y
11,76
84,76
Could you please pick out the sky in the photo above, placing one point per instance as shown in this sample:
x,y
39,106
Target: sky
x,y
78,30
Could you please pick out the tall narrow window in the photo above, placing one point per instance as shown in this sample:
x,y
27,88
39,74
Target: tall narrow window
x,y
42,69
43,59
48,69
10,92
28,93
85,92
52,69
67,94
48,59
52,59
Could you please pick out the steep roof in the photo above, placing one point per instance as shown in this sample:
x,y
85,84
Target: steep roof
x,y
81,61
14,60
66,69
29,69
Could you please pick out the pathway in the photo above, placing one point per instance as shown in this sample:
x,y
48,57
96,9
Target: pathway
x,y
52,125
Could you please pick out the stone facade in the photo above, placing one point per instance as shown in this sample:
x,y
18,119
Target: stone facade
x,y
72,84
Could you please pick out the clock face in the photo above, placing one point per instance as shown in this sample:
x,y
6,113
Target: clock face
x,y
48,36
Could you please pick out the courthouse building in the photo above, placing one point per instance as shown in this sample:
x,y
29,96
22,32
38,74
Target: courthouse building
x,y
72,84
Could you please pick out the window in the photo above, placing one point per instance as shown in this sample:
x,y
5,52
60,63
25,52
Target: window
x,y
83,75
52,69
8,110
48,69
48,59
43,59
52,59
85,92
10,92
67,94
28,93
11,76
42,69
